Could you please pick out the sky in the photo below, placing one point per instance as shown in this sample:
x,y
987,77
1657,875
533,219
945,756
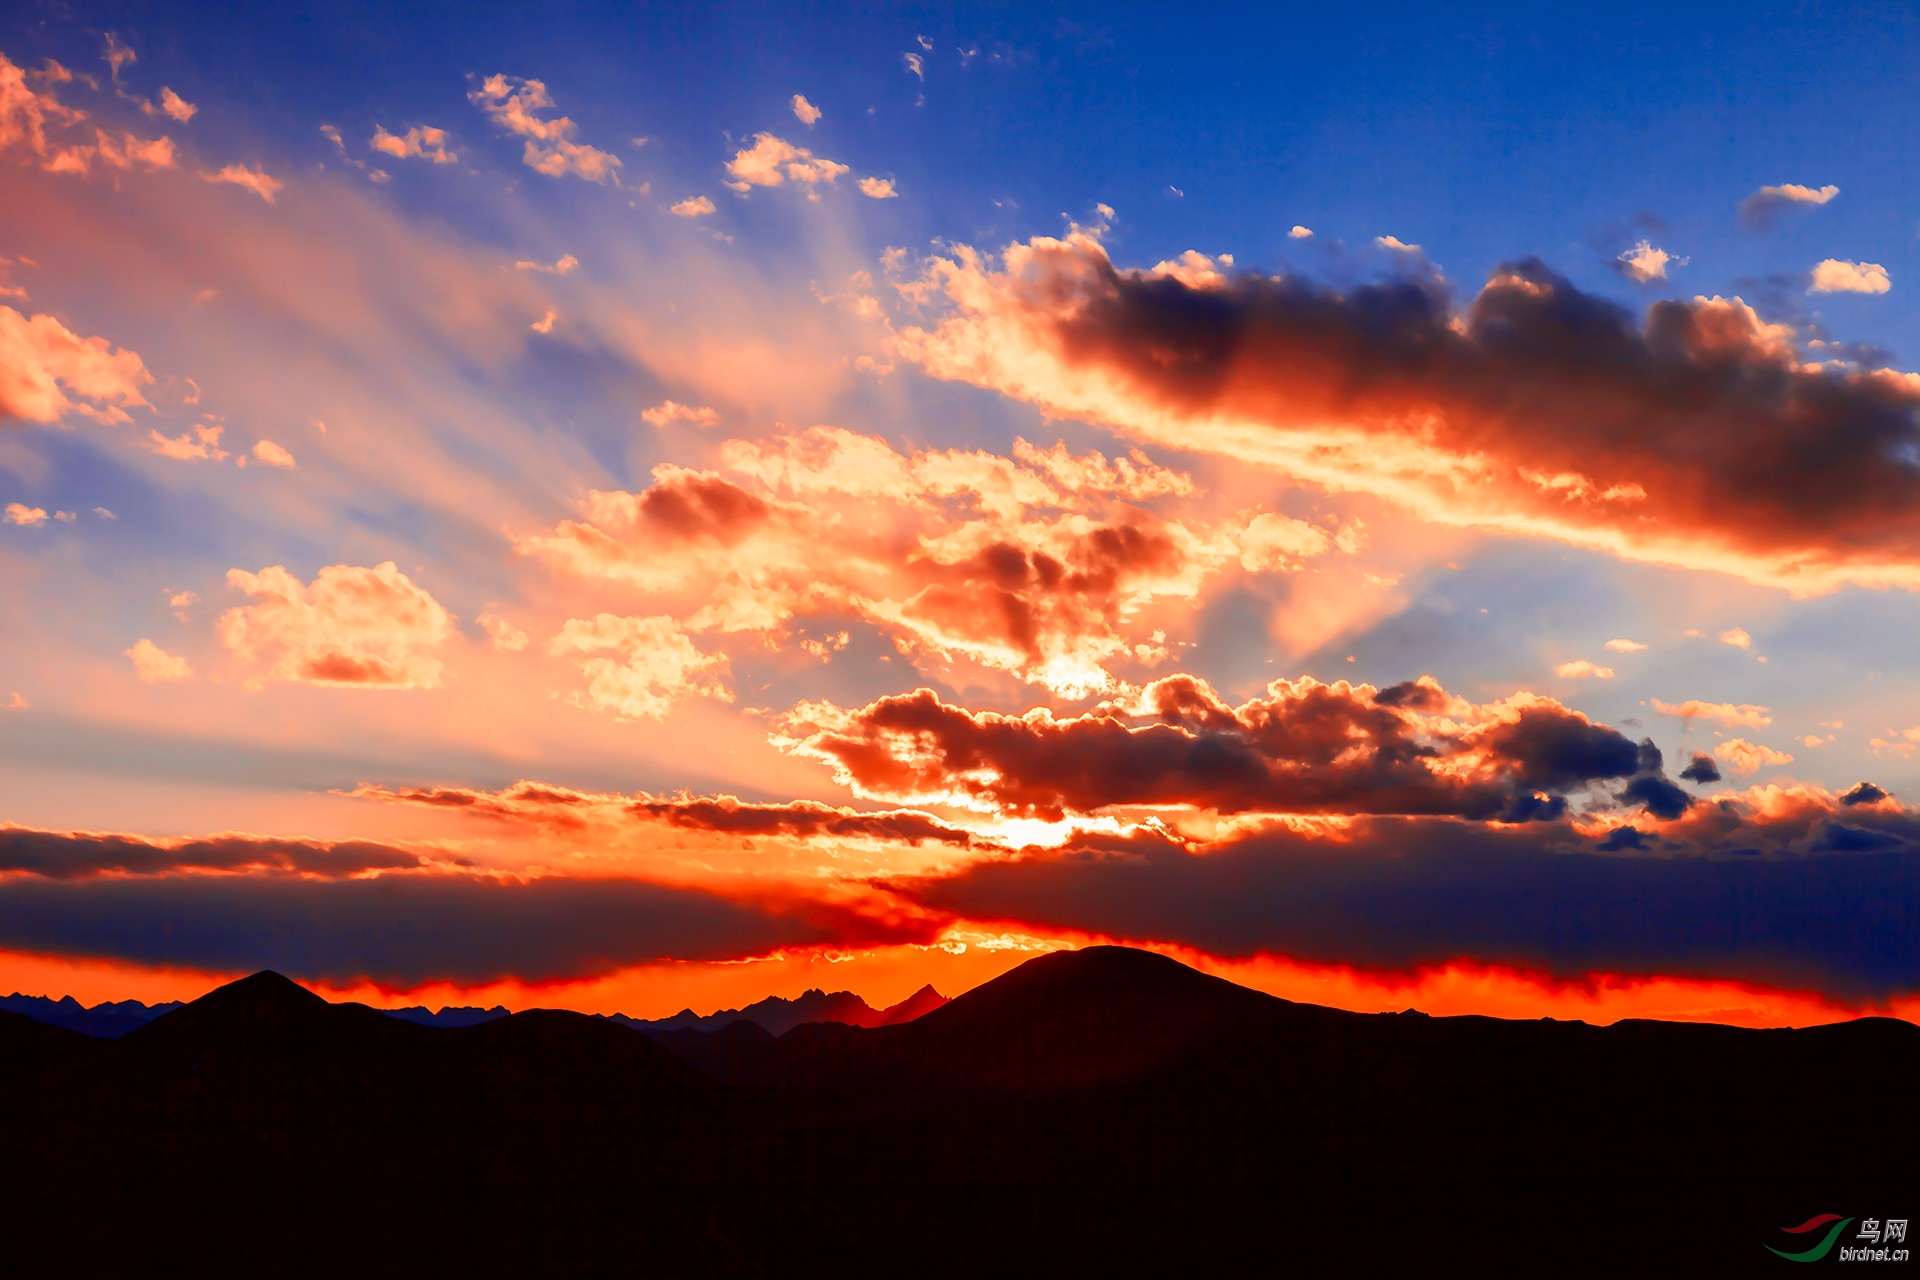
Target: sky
x,y
647,507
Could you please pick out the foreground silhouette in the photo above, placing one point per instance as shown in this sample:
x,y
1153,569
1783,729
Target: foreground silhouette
x,y
1105,1111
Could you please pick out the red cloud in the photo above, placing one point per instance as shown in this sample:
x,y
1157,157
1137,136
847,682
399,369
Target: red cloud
x,y
1697,437
71,855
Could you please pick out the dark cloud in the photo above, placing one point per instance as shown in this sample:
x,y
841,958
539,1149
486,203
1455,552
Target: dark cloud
x,y
1698,421
1398,894
1305,748
1701,769
406,929
64,855
1862,793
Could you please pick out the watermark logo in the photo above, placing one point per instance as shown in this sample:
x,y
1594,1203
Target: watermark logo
x,y
1870,1244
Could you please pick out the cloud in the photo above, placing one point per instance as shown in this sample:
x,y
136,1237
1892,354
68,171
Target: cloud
x,y
421,142
199,443
916,65
1626,646
1580,668
254,180
1697,437
1748,757
1772,887
1726,713
272,455
1396,244
82,855
545,323
806,111
505,635
172,104
656,665
771,161
1038,564
367,628
693,207
668,412
48,371
154,665
1737,637
1643,262
562,809
1836,275
878,188
1701,769
566,264
1760,210
511,103
404,929
1305,748
25,516
1300,233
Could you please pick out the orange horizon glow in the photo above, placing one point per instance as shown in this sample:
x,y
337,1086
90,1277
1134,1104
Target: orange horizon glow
x,y
887,975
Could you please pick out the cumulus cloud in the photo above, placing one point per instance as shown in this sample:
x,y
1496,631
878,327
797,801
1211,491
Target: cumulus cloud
x,y
806,111
667,412
367,628
25,516
878,188
1580,669
1626,646
1696,436
545,323
198,443
1036,564
48,371
512,104
655,665
1749,757
1643,263
1761,210
1836,275
1737,637
1727,713
270,454
254,180
1299,232
421,142
503,633
1396,244
771,161
693,207
154,665
1304,748
1701,769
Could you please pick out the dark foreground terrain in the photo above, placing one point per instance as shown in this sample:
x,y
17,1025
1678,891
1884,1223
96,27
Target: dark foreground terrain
x,y
1101,1112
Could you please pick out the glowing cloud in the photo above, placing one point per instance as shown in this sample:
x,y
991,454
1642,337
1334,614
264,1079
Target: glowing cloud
x,y
657,666
172,104
25,516
565,265
272,455
693,207
1643,262
668,412
511,103
1748,757
154,665
1300,233
366,628
47,370
1726,713
806,111
421,142
1836,275
1760,210
1626,646
254,180
771,161
1580,669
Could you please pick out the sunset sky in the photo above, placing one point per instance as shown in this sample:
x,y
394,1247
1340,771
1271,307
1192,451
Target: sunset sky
x,y
633,508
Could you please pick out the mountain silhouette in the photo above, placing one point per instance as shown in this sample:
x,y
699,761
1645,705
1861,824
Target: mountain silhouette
x,y
107,1020
1104,1111
776,1015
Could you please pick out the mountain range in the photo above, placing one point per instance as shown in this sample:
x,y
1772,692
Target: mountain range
x,y
1098,1112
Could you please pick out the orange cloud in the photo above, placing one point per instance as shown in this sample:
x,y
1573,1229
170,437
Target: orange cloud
x,y
1535,409
1749,757
656,665
154,665
421,142
260,183
368,628
47,371
771,161
1038,564
1727,713
511,103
